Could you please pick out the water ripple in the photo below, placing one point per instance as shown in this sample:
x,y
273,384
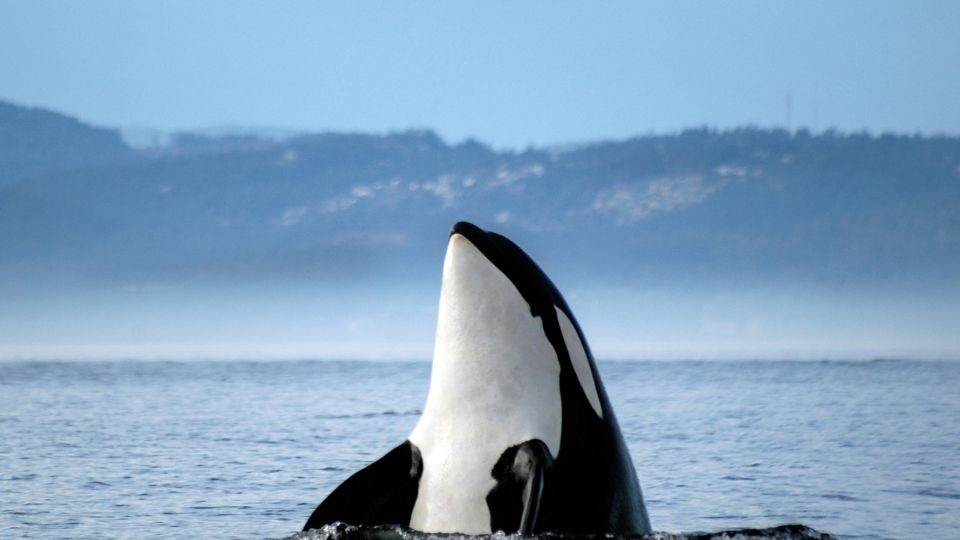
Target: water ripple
x,y
173,450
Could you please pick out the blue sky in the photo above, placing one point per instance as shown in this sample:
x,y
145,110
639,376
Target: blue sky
x,y
508,73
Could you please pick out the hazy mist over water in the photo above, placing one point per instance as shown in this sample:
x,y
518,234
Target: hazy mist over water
x,y
396,321
248,449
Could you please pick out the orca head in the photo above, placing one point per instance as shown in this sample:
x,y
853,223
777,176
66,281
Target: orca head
x,y
541,295
505,350
499,308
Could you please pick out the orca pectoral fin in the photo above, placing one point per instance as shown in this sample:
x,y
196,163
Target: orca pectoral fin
x,y
530,464
384,492
514,502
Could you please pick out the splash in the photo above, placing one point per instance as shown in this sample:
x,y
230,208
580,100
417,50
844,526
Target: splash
x,y
342,531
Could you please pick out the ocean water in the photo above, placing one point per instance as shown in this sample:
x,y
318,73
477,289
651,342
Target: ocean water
x,y
247,449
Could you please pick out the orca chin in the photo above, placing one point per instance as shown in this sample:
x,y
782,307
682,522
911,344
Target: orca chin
x,y
517,433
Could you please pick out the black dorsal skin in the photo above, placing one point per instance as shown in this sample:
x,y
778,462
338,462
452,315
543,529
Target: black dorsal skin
x,y
592,486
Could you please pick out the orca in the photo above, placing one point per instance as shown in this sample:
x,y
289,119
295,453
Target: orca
x,y
517,434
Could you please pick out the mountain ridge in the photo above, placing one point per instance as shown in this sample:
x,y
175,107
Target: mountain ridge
x,y
739,206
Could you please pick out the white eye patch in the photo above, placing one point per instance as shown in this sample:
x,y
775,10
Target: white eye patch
x,y
578,357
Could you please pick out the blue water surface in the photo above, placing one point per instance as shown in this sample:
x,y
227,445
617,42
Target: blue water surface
x,y
247,449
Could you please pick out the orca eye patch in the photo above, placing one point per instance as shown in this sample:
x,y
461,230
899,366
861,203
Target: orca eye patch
x,y
578,357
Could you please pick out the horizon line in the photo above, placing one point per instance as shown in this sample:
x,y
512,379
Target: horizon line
x,y
418,353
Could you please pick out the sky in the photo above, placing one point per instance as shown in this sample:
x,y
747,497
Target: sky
x,y
510,74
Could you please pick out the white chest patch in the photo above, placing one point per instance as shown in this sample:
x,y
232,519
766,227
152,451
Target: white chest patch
x,y
495,384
